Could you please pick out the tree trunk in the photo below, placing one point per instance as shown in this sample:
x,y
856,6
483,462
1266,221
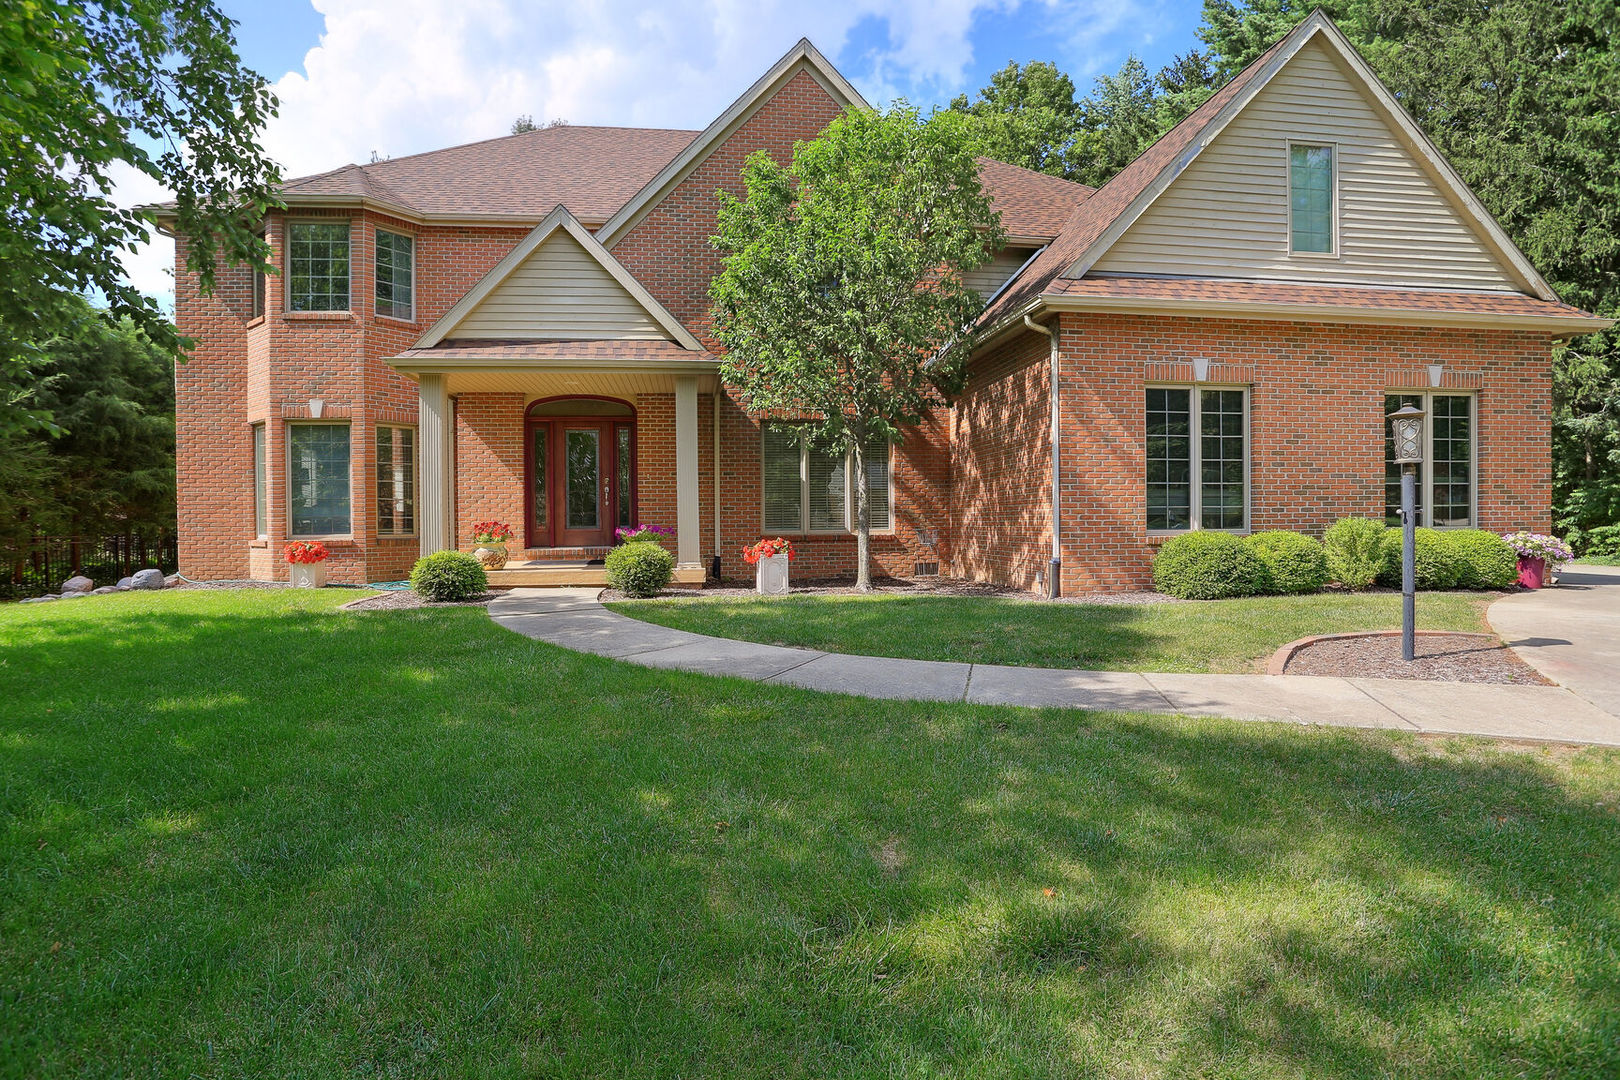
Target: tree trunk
x,y
863,521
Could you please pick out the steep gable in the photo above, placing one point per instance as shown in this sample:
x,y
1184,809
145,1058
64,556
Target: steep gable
x,y
1226,215
559,284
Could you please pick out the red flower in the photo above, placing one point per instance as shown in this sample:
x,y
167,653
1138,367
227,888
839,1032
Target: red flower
x,y
306,551
766,548
491,532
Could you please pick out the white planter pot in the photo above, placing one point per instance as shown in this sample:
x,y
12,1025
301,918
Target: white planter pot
x,y
771,575
307,575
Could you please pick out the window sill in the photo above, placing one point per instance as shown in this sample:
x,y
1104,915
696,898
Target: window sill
x,y
345,539
1319,256
318,316
257,320
396,319
386,537
1159,536
261,542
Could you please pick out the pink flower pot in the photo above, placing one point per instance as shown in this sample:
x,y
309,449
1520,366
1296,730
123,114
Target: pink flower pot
x,y
1531,572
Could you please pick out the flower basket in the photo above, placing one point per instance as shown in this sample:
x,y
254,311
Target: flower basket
x,y
306,564
1538,554
491,538
770,559
1532,571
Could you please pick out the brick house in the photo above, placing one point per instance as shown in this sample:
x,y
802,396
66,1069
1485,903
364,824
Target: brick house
x,y
517,330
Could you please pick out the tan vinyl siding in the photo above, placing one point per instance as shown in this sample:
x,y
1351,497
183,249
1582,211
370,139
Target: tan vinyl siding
x,y
1227,215
989,277
559,293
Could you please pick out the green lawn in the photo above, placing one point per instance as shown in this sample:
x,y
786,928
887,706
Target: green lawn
x,y
242,834
1223,635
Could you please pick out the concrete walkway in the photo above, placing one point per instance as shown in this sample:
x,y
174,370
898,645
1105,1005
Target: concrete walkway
x,y
1570,633
573,619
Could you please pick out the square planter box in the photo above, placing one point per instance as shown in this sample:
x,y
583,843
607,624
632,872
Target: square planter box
x,y
771,575
307,575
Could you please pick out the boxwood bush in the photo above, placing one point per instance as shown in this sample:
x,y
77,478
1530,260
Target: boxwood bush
x,y
448,576
1483,559
1357,551
1435,562
1295,563
1208,566
640,568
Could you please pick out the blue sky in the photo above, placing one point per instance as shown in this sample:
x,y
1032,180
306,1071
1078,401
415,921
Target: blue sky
x,y
399,77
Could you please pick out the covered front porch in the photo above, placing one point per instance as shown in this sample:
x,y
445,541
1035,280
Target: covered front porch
x,y
565,443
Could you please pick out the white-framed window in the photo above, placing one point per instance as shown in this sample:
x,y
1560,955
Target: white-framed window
x,y
1446,489
257,310
396,275
396,480
317,266
318,479
261,480
810,490
1197,458
1313,198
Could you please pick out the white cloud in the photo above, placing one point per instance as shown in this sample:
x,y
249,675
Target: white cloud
x,y
404,76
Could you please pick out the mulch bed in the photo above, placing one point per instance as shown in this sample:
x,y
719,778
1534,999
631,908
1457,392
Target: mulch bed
x,y
1439,658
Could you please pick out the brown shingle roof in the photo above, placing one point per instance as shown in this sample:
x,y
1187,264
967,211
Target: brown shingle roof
x,y
1196,291
513,349
1031,203
1093,216
591,170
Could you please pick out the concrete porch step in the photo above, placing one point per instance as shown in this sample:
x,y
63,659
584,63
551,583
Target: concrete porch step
x,y
563,575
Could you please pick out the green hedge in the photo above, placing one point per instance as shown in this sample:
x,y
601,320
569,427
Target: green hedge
x,y
1484,560
640,568
1295,563
1208,566
1357,551
449,576
1435,564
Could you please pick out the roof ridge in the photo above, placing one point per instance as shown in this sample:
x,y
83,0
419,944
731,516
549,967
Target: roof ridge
x,y
534,131
1034,172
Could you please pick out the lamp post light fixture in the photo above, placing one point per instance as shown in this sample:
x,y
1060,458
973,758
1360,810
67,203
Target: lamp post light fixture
x,y
1406,428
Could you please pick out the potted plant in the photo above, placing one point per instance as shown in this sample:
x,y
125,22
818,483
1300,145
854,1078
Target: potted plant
x,y
770,559
491,538
1539,554
306,563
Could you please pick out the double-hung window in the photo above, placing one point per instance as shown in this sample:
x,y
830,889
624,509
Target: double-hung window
x,y
318,479
1312,191
811,490
396,282
260,483
257,310
1197,458
396,480
318,266
1445,488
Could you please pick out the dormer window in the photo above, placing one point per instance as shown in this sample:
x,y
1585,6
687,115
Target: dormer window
x,y
1311,197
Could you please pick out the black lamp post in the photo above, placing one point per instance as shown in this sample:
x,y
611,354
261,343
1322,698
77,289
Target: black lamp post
x,y
1406,426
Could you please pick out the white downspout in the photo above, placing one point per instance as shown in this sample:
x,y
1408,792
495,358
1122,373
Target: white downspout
x,y
717,392
1055,563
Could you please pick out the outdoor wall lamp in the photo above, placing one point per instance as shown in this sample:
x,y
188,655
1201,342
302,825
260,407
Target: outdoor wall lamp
x,y
1406,428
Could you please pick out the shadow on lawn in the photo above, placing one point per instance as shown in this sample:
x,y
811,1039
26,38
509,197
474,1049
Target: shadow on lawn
x,y
425,845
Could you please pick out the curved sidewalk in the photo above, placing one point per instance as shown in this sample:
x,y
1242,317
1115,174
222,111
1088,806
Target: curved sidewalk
x,y
573,619
1571,633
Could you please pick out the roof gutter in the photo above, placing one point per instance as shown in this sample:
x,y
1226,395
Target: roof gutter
x,y
1054,565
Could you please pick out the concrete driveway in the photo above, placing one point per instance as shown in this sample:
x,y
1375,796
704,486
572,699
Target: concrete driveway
x,y
1570,633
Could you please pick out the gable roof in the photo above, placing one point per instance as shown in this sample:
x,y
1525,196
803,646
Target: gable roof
x,y
559,218
1100,220
591,170
1033,205
802,57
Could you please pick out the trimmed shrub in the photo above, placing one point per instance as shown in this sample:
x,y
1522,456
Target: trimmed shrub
x,y
1435,563
1483,559
1295,563
1356,551
1208,566
640,568
447,576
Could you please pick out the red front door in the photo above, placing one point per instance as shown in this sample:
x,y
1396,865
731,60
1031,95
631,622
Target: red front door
x,y
580,475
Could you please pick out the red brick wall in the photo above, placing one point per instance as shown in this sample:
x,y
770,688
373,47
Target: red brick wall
x,y
1316,425
489,463
1001,459
668,250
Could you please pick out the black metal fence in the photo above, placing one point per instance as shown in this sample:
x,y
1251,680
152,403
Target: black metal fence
x,y
44,564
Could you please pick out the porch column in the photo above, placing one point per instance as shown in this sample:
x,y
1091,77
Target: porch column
x,y
433,438
686,472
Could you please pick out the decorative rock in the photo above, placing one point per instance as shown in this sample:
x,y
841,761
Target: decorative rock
x,y
77,584
104,590
120,588
125,582
172,580
147,579
73,596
